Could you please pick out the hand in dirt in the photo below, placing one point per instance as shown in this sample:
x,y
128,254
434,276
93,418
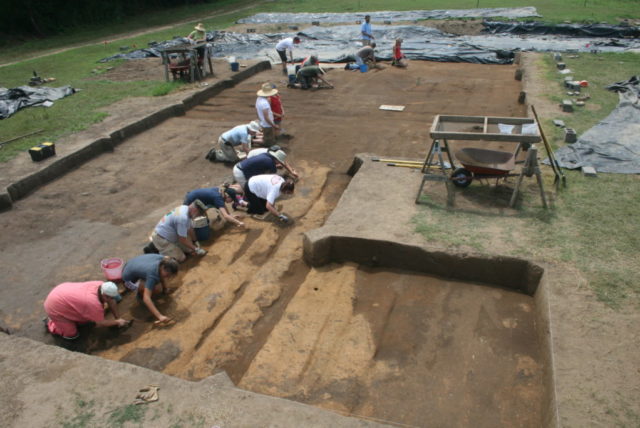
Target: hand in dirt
x,y
162,320
240,224
200,251
120,322
283,218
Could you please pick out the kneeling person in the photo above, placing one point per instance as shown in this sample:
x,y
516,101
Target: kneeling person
x,y
147,275
215,197
174,236
309,76
241,136
73,303
262,192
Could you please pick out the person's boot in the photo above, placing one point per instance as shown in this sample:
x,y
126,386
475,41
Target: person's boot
x,y
150,249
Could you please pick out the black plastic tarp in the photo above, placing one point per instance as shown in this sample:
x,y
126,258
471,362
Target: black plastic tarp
x,y
338,43
154,48
613,145
408,15
575,30
12,100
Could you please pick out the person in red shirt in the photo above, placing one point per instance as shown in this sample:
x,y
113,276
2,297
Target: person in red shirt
x,y
278,114
399,60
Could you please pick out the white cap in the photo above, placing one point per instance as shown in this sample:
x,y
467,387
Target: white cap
x,y
109,289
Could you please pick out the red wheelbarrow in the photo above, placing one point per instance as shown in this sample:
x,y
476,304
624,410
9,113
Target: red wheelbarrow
x,y
482,163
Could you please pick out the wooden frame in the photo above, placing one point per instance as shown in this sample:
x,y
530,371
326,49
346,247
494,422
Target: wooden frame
x,y
190,54
475,128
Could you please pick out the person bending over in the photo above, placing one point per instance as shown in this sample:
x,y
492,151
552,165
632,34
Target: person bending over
x,y
148,275
73,303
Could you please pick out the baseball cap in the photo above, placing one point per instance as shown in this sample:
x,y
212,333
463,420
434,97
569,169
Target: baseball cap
x,y
108,288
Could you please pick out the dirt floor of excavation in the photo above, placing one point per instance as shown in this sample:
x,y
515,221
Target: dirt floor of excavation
x,y
227,303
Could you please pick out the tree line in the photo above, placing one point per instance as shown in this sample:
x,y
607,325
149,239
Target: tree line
x,y
42,18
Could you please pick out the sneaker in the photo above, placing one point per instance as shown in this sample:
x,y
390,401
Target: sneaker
x,y
71,338
261,217
211,156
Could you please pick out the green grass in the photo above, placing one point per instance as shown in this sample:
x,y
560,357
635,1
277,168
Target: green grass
x,y
600,70
13,49
83,417
79,67
594,224
551,10
131,413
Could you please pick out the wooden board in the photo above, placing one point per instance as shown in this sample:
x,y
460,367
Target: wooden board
x,y
391,108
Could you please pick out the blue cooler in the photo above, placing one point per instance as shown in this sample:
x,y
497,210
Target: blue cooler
x,y
201,227
203,233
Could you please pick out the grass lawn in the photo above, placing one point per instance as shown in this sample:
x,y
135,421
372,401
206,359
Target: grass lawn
x,y
594,223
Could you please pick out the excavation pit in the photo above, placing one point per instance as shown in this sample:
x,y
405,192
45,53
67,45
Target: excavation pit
x,y
407,348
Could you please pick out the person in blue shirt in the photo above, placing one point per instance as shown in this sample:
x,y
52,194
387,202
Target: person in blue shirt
x,y
366,32
238,137
265,163
215,197
148,275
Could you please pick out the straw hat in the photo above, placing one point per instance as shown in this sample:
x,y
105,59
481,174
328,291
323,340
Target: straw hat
x,y
254,126
280,155
267,90
199,27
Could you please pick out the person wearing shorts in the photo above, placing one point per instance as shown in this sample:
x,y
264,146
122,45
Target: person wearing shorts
x,y
263,190
285,45
265,163
173,236
240,136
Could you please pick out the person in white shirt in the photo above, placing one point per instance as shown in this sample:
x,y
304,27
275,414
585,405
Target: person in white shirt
x,y
265,115
283,46
261,192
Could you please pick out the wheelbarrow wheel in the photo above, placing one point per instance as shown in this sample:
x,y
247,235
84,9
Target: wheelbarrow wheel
x,y
461,177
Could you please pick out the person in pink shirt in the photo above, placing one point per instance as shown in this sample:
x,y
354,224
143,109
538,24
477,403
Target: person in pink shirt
x,y
73,303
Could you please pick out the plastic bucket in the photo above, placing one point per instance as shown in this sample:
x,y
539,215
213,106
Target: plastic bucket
x,y
235,66
112,268
364,68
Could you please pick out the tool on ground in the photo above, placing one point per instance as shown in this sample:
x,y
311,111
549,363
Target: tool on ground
x,y
21,136
557,171
406,165
396,160
148,394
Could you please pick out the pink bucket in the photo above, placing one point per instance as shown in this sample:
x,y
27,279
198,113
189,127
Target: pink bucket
x,y
112,268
